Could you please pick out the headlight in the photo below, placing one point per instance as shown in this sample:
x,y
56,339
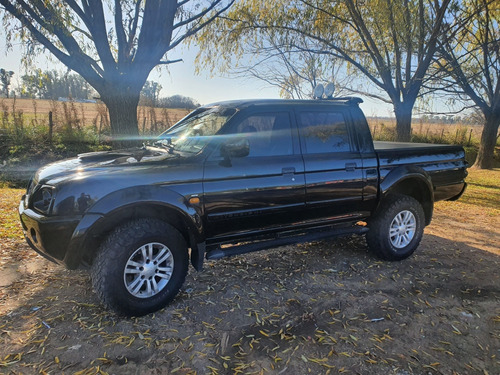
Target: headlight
x,y
42,199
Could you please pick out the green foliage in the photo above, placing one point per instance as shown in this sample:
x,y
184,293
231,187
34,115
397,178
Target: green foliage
x,y
178,101
150,93
5,77
52,85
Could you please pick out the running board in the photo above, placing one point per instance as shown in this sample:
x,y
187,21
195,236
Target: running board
x,y
219,253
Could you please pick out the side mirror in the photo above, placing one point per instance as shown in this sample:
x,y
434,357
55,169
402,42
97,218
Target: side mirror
x,y
235,148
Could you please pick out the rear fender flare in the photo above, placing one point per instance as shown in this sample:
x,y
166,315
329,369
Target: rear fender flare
x,y
398,181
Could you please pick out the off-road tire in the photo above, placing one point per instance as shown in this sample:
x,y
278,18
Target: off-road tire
x,y
109,265
379,237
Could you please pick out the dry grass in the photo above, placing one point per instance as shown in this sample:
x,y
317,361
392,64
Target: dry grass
x,y
476,214
84,114
467,135
9,218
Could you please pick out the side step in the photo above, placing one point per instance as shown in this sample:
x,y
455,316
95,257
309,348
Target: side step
x,y
282,241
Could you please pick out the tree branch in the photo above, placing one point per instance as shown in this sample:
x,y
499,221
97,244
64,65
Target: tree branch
x,y
121,37
201,25
166,62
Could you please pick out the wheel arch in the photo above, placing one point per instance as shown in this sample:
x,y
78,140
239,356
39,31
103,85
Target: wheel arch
x,y
94,228
414,182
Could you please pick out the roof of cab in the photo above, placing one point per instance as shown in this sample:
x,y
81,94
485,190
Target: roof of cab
x,y
244,103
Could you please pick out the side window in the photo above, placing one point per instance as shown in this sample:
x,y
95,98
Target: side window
x,y
269,134
323,132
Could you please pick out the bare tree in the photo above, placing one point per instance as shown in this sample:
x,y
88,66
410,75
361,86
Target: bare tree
x,y
113,44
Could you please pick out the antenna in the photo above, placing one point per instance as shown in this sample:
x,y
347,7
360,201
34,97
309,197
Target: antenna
x,y
318,91
329,90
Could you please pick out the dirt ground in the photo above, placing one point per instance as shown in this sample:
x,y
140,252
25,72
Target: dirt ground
x,y
316,308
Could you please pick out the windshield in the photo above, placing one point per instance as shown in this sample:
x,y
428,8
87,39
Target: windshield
x,y
193,133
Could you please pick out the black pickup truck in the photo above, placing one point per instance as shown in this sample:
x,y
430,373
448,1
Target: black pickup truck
x,y
231,178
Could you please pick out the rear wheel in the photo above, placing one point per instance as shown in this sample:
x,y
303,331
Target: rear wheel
x,y
397,228
140,267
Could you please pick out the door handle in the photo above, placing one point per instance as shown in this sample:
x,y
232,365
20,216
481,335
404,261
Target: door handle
x,y
290,170
350,167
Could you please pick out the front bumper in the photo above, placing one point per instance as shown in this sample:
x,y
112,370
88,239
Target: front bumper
x,y
48,236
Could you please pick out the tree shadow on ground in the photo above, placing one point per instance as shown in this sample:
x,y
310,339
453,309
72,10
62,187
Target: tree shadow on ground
x,y
316,306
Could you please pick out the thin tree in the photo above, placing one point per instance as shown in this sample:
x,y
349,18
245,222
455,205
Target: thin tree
x,y
469,53
5,77
390,43
113,44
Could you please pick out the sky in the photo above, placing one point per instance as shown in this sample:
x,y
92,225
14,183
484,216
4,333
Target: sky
x,y
180,78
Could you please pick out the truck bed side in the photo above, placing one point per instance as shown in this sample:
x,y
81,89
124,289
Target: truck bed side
x,y
445,164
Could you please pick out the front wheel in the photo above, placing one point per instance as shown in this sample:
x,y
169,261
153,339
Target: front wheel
x,y
397,228
140,267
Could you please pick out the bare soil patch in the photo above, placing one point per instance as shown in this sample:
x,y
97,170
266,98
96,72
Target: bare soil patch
x,y
323,307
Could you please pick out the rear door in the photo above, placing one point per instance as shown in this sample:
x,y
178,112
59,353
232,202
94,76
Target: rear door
x,y
333,164
263,190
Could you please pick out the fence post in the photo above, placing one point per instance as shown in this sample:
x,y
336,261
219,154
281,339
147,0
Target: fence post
x,y
470,136
100,128
51,126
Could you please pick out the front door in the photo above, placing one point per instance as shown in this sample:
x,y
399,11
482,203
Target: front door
x,y
263,190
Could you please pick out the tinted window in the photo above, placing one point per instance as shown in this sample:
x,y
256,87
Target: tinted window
x,y
323,132
269,134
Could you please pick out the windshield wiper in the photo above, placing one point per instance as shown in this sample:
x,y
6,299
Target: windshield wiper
x,y
166,144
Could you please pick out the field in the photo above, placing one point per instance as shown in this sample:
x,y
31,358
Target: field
x,y
319,308
451,133
83,114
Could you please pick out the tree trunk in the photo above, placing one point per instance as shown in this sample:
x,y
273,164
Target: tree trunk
x,y
486,152
403,113
122,107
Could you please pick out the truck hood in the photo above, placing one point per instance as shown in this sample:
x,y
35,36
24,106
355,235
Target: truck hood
x,y
102,160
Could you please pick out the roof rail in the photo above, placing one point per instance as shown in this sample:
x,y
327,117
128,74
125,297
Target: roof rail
x,y
349,99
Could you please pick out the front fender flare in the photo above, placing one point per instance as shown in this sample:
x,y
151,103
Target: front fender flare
x,y
121,200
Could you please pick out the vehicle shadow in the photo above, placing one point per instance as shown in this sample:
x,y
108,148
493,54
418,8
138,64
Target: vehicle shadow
x,y
318,306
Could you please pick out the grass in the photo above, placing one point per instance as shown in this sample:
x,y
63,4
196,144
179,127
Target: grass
x,y
10,228
87,114
28,142
423,132
483,191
